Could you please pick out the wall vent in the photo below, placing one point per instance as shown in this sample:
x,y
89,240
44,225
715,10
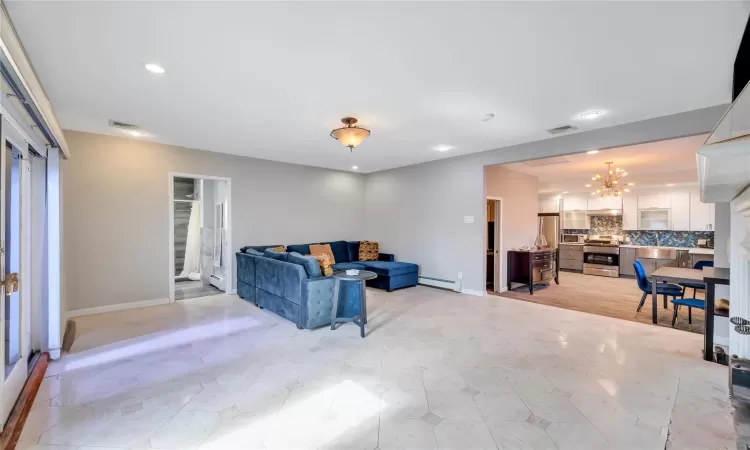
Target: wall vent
x,y
123,125
562,129
547,161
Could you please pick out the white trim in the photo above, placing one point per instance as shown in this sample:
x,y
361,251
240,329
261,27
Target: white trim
x,y
473,292
233,292
117,307
55,354
498,284
228,226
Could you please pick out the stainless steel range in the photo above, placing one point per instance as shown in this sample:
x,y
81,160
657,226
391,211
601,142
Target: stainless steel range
x,y
601,256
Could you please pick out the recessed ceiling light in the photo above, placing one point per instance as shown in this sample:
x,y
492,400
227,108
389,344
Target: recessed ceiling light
x,y
135,133
588,185
443,148
592,152
631,184
591,114
355,167
565,192
670,185
155,68
487,117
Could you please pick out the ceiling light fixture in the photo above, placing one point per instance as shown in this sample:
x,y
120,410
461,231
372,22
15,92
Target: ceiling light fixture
x,y
592,152
588,115
355,167
443,148
135,133
609,182
351,135
631,184
155,68
565,192
588,185
670,185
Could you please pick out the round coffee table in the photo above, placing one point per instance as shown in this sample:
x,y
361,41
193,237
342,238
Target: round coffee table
x,y
361,318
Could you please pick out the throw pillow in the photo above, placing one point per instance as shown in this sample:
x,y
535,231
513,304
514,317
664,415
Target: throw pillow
x,y
368,251
322,249
280,248
324,260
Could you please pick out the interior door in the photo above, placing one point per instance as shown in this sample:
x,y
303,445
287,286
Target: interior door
x,y
14,303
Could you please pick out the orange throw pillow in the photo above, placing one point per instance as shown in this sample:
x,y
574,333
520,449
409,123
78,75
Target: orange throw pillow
x,y
322,249
325,264
368,251
279,249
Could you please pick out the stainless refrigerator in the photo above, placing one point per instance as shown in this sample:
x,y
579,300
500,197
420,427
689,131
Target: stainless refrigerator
x,y
549,227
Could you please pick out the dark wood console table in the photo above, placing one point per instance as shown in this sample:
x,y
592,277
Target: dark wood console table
x,y
533,267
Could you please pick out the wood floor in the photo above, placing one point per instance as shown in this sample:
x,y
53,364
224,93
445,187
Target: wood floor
x,y
611,297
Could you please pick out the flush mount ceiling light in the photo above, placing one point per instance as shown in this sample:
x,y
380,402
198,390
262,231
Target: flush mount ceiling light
x,y
355,167
155,68
609,187
588,115
351,135
443,148
592,152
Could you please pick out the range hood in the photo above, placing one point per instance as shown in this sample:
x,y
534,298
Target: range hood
x,y
724,159
604,212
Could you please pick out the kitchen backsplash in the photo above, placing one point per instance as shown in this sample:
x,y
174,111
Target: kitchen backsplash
x,y
612,225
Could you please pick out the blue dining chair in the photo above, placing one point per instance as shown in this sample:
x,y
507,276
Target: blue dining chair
x,y
695,285
671,290
690,303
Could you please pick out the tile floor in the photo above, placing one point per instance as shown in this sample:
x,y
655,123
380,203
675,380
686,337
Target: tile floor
x,y
438,370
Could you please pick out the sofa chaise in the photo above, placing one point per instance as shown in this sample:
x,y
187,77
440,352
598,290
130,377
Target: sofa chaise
x,y
290,284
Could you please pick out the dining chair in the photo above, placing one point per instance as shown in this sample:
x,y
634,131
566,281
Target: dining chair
x,y
690,303
695,285
671,290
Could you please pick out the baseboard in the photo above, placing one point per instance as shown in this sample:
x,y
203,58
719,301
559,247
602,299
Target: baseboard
x,y
233,291
473,292
500,291
118,307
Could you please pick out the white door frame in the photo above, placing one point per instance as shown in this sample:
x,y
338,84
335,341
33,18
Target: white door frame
x,y
228,226
498,284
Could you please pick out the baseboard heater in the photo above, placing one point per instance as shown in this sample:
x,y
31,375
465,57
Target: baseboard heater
x,y
218,282
440,283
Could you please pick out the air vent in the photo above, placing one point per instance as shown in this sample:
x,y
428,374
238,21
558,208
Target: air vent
x,y
123,125
547,161
562,129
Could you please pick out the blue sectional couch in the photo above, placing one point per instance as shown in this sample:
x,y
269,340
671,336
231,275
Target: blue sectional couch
x,y
290,284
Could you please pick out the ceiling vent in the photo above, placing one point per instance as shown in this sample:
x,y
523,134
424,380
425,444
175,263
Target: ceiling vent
x,y
562,129
547,161
123,125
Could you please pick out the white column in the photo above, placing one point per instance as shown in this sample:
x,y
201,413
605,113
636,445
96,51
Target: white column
x,y
54,232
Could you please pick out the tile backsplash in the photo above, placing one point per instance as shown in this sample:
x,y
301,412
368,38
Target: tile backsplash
x,y
612,225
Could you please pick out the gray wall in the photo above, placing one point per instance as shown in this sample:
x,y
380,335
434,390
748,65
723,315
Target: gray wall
x,y
417,211
116,227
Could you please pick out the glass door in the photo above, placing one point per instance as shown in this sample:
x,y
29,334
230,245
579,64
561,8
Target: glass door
x,y
654,219
14,304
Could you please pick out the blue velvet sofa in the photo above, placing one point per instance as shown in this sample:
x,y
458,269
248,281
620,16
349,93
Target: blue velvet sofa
x,y
290,284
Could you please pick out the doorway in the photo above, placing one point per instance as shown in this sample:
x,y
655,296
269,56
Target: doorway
x,y
494,260
200,262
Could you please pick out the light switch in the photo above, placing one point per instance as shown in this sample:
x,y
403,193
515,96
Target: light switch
x,y
468,219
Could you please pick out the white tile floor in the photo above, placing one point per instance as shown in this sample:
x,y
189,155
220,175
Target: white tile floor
x,y
438,370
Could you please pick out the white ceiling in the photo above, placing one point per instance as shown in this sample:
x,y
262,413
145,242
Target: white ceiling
x,y
271,79
650,166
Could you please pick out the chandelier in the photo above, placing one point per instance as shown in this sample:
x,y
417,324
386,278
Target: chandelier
x,y
351,135
608,184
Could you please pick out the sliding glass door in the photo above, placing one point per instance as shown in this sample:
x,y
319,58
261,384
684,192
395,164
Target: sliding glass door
x,y
14,301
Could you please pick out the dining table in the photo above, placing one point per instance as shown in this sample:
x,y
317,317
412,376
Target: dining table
x,y
677,275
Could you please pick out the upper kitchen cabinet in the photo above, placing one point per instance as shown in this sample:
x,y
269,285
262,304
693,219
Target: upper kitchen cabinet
x,y
701,214
680,211
629,212
601,203
549,204
655,201
570,203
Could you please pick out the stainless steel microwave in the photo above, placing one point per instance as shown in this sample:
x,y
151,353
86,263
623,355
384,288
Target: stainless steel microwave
x,y
573,238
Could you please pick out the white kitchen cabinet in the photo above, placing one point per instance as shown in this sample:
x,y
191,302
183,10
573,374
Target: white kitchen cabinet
x,y
629,212
574,203
655,201
549,205
701,214
655,219
599,203
680,211
575,220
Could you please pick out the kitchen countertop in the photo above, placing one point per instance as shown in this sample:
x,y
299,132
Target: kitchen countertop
x,y
690,250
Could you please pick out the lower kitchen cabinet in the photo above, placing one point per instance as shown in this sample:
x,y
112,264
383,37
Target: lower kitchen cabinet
x,y
627,258
571,257
650,265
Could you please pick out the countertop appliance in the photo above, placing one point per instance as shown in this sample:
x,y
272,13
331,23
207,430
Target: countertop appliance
x,y
601,256
573,238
